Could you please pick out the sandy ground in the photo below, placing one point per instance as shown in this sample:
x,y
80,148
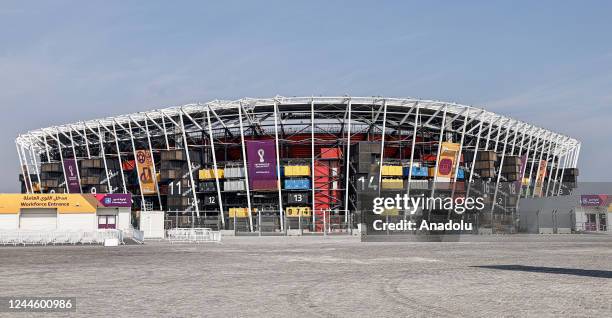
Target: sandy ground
x,y
512,276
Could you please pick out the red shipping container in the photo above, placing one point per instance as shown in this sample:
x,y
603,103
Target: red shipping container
x,y
331,153
128,165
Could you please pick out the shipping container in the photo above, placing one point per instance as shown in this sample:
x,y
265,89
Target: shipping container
x,y
294,212
297,171
238,212
331,153
207,174
234,172
392,171
234,185
483,165
488,155
297,184
392,184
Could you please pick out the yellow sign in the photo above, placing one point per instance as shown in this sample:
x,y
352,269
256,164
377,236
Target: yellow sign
x,y
448,161
144,167
64,203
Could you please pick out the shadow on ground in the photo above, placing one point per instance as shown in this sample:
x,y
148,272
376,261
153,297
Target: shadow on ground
x,y
551,270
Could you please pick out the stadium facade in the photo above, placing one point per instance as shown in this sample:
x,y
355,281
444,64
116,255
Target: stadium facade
x,y
282,163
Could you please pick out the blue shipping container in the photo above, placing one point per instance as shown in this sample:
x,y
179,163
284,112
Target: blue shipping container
x,y
460,174
297,184
416,171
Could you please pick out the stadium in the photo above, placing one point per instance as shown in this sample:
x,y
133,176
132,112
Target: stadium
x,y
308,163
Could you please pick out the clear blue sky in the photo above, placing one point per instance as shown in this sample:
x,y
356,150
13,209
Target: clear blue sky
x,y
546,62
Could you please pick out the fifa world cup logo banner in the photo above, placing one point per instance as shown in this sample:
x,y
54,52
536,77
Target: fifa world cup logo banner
x,y
261,156
144,167
72,177
448,161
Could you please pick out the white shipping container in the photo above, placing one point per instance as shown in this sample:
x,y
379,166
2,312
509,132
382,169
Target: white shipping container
x,y
234,172
234,185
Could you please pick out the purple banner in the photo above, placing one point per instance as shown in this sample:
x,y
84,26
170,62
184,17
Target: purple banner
x,y
594,200
115,200
261,157
72,177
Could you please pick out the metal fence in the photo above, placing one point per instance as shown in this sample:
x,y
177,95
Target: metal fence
x,y
58,237
193,235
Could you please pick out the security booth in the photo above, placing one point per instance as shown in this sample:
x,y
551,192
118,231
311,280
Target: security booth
x,y
593,213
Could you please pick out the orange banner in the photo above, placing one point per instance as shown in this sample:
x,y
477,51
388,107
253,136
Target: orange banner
x,y
448,161
540,178
64,203
144,166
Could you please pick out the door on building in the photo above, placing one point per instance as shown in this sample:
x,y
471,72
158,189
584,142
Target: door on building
x,y
602,222
38,219
107,222
591,222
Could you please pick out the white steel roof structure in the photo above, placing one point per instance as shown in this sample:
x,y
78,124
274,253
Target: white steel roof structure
x,y
35,139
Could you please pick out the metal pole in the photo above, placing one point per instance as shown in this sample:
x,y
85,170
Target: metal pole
x,y
347,160
312,163
102,152
535,153
501,167
47,148
35,164
165,131
558,167
441,139
86,143
469,187
59,147
539,165
23,169
244,162
214,157
278,179
412,148
458,156
193,190
142,198
577,155
382,145
153,161
566,161
119,158
552,164
75,161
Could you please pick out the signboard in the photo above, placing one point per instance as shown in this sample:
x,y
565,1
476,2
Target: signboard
x,y
114,200
64,203
144,166
297,198
591,200
261,157
446,165
71,175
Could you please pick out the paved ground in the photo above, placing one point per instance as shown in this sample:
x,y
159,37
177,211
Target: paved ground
x,y
562,275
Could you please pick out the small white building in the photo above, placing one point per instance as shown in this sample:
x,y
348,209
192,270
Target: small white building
x,y
594,213
64,212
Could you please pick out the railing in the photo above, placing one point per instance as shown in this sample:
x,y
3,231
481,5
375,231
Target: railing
x,y
58,237
590,227
193,235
